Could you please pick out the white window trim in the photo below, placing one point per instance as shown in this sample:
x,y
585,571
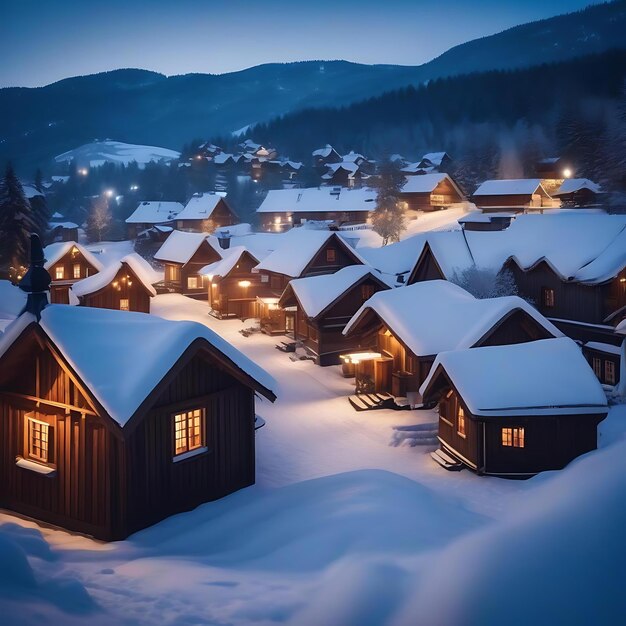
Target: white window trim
x,y
189,454
33,466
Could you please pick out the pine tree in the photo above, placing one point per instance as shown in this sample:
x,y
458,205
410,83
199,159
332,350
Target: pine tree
x,y
16,221
388,218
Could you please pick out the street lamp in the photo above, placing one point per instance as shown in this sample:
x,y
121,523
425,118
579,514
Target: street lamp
x,y
567,173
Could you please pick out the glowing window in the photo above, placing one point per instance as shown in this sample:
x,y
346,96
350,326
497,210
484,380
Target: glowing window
x,y
124,304
513,437
547,296
460,423
188,431
76,270
59,272
192,282
38,440
331,255
609,372
597,366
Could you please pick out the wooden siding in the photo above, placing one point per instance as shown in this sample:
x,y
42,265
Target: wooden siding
x,y
444,194
279,221
59,288
426,268
468,446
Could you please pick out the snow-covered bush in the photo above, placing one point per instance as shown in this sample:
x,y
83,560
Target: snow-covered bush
x,y
486,283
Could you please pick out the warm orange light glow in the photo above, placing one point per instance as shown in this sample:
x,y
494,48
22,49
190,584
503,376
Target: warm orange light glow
x,y
567,173
244,283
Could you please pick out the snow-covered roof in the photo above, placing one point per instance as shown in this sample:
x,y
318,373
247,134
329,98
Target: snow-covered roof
x,y
222,158
434,157
550,376
436,315
478,217
571,185
200,207
142,269
230,258
315,293
180,246
68,225
97,345
155,212
510,187
608,348
607,265
323,152
56,251
426,183
352,156
333,168
296,249
12,300
30,191
318,200
57,216
414,168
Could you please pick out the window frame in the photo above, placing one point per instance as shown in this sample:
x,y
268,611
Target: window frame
x,y
548,297
331,255
596,364
45,424
513,437
76,267
609,372
59,272
127,300
367,291
461,421
179,454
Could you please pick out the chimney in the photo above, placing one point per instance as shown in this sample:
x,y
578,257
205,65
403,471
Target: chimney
x,y
36,281
223,238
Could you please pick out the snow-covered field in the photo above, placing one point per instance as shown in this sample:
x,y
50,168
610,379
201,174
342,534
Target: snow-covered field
x,y
343,527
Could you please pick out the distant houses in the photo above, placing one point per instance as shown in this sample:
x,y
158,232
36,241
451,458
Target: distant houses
x,y
205,212
430,192
157,215
515,194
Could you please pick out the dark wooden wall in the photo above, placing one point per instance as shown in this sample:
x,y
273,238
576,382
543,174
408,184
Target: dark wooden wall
x,y
109,297
468,446
319,263
426,268
519,327
59,289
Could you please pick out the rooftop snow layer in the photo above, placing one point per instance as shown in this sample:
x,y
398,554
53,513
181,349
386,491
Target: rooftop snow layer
x,y
323,152
142,269
607,265
56,251
200,207
511,187
318,200
425,183
155,212
547,376
436,315
225,265
180,246
434,157
115,375
571,185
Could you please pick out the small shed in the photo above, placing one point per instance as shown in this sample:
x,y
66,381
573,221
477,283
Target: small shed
x,y
516,410
430,192
578,192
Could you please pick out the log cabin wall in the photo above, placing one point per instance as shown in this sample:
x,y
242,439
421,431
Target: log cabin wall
x,y
509,201
466,439
332,256
613,296
79,494
135,297
426,268
281,220
70,268
185,278
519,327
444,194
157,485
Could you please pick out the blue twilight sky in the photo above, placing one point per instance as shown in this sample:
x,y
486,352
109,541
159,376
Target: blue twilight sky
x,y
42,41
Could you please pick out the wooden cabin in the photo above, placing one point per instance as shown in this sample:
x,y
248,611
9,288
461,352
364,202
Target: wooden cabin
x,y
605,361
205,212
68,262
233,288
101,439
344,174
302,253
60,230
149,215
515,411
324,305
578,192
429,192
324,156
440,161
184,255
283,209
401,331
126,285
513,195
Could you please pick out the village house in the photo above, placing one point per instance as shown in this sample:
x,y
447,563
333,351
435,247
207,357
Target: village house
x,y
125,285
344,174
323,156
436,160
553,169
605,360
324,305
184,255
519,195
68,262
284,208
401,331
233,288
205,212
156,216
59,229
302,252
429,192
515,410
578,192
98,441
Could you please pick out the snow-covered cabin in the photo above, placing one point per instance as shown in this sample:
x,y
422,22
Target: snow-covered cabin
x,y
284,208
437,160
344,174
430,192
403,330
479,221
183,255
60,229
112,421
578,192
517,194
515,410
68,262
205,212
325,155
125,285
149,214
233,287
325,304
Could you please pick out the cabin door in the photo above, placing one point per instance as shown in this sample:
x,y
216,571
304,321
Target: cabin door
x,y
382,375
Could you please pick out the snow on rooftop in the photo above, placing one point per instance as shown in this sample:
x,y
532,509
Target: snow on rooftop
x,y
318,200
323,152
180,246
142,269
352,156
54,252
12,300
154,212
30,191
425,183
333,168
224,266
315,293
547,376
607,265
296,249
115,375
510,187
571,185
200,207
436,315
434,157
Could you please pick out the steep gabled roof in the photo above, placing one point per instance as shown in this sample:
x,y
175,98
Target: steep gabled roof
x,y
607,265
550,376
139,266
316,293
426,183
230,259
156,212
510,187
435,158
200,207
571,185
318,200
436,316
56,251
180,246
98,345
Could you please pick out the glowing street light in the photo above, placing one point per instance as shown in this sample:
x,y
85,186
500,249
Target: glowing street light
x,y
134,187
83,171
109,193
567,173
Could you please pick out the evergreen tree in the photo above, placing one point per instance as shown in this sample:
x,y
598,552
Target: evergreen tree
x,y
388,219
16,221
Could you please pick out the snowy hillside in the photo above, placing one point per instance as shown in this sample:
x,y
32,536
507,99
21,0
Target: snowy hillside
x,y
100,152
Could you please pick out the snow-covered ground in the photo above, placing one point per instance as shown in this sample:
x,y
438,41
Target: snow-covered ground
x,y
342,528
